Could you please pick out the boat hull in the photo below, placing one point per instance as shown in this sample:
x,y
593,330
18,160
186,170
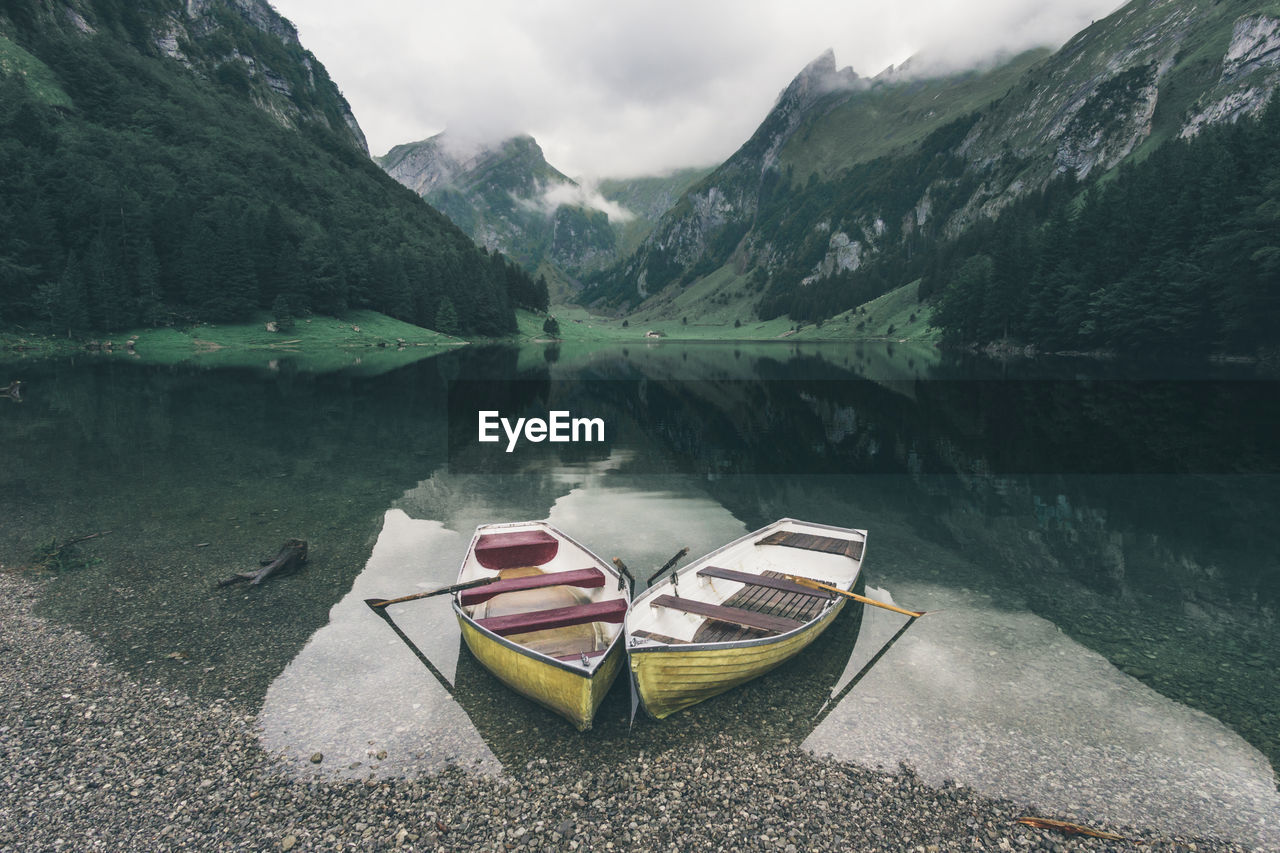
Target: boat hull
x,y
568,691
548,624
669,679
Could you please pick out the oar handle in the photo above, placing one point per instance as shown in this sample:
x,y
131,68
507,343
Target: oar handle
x,y
625,573
666,566
457,587
810,582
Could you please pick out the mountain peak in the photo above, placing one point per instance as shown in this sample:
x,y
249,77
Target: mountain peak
x,y
818,78
825,63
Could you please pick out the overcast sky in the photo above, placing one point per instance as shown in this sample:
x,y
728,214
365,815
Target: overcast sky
x,y
616,87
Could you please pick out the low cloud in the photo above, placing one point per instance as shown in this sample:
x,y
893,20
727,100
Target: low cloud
x,y
623,89
585,195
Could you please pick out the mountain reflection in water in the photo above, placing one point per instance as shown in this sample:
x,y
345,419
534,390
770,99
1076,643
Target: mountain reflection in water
x,y
983,693
1003,702
1133,511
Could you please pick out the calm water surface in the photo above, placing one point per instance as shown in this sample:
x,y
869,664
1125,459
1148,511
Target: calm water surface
x,y
1102,543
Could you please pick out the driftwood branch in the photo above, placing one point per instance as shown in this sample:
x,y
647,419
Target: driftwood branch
x,y
53,555
292,554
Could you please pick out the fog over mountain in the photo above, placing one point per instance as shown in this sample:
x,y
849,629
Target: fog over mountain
x,y
636,88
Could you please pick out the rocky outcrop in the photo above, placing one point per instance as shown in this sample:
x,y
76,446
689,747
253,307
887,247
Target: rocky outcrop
x,y
1255,46
210,38
1250,74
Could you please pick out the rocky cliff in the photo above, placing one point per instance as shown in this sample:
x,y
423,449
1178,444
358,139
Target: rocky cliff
x,y
243,44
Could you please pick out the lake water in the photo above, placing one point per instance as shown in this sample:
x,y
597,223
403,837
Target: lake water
x,y
1101,542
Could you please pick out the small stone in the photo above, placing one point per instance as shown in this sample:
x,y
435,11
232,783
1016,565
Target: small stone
x,y
565,828
317,757
288,842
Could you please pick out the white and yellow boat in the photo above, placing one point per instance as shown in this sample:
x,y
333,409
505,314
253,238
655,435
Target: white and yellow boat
x,y
737,613
549,624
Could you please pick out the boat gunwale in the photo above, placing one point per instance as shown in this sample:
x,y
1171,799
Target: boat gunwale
x,y
659,646
567,666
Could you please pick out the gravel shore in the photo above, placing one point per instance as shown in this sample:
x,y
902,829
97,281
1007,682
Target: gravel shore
x,y
94,760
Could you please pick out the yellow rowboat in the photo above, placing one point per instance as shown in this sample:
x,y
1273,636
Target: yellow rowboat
x,y
733,615
549,622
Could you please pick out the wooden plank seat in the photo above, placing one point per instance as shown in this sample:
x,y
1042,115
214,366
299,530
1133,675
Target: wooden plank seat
x,y
588,578
733,615
613,610
851,548
781,584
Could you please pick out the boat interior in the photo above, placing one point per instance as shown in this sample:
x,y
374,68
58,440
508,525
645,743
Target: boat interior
x,y
744,591
550,595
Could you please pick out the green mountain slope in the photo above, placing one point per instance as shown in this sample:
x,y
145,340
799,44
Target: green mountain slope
x,y
893,114
826,122
849,183
167,162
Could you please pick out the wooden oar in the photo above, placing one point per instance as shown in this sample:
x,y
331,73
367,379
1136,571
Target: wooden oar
x,y
813,584
376,603
379,607
833,701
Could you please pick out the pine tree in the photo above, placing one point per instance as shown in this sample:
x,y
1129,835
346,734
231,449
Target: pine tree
x,y
150,299
446,317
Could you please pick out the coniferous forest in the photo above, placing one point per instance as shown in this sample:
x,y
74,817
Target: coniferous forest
x,y
135,192
1179,252
1175,253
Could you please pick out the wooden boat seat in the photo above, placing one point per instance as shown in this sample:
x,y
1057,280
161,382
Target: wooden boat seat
x,y
781,584
613,610
497,551
588,578
851,548
733,615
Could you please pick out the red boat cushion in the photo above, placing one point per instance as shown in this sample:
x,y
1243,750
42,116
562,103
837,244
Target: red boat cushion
x,y
585,578
515,549
613,610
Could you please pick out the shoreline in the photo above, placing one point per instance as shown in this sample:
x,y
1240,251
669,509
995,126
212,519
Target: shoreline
x,y
95,759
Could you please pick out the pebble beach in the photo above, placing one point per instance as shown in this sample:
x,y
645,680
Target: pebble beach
x,y
94,759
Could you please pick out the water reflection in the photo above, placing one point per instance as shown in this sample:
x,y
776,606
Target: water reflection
x,y
1002,701
983,693
1024,487
354,693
